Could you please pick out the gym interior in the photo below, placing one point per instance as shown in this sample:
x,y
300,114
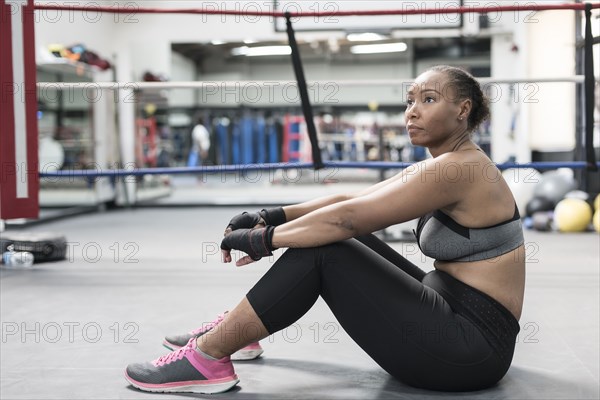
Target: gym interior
x,y
151,124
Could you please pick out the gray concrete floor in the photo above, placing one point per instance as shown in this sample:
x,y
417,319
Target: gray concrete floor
x,y
69,328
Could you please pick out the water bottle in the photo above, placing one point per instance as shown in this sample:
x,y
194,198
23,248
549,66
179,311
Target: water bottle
x,y
17,259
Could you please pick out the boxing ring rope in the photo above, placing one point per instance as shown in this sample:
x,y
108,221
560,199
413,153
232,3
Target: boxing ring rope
x,y
588,80
324,14
242,168
234,84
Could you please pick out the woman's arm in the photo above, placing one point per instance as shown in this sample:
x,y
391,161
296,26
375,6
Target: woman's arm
x,y
418,190
296,211
303,211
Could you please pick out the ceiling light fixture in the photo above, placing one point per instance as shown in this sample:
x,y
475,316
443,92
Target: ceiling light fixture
x,y
261,51
365,37
379,48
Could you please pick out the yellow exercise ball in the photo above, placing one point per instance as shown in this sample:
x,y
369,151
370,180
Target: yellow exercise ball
x,y
150,109
373,105
597,203
572,215
596,221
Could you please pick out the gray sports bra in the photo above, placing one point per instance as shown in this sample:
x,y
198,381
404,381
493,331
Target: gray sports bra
x,y
442,238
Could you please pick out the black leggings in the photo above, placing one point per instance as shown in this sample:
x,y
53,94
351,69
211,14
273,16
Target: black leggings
x,y
426,330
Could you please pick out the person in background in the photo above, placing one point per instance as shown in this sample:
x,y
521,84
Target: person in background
x,y
200,144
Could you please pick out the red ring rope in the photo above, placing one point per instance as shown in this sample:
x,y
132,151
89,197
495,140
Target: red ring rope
x,y
450,10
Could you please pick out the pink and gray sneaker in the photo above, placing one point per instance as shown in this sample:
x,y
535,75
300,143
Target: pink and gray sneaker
x,y
183,370
250,352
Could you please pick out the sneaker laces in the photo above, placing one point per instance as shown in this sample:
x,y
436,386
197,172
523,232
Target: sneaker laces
x,y
210,325
177,354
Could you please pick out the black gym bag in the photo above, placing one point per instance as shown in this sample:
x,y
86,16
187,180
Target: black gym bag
x,y
43,246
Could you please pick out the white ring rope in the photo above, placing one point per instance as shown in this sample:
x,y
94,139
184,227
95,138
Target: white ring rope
x,y
237,84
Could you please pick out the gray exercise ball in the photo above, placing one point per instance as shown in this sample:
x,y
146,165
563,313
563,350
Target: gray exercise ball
x,y
555,185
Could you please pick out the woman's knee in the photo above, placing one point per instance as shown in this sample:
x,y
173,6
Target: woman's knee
x,y
293,253
328,257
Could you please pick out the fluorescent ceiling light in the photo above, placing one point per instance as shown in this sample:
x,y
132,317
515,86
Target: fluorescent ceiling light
x,y
216,42
261,51
365,37
250,41
379,48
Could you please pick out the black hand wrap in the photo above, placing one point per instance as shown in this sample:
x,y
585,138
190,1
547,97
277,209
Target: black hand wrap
x,y
273,216
257,243
244,220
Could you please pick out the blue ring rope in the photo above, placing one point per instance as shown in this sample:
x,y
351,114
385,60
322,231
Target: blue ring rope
x,y
377,165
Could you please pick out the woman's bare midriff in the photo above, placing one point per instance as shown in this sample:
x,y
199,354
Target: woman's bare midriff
x,y
502,278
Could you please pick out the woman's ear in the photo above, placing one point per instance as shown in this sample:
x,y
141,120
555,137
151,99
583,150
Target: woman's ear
x,y
465,109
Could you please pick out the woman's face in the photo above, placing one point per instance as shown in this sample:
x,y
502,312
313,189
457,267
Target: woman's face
x,y
433,114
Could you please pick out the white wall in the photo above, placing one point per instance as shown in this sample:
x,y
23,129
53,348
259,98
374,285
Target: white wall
x,y
536,116
153,34
509,124
551,53
182,69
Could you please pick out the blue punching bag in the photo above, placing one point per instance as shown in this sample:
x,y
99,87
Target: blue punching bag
x,y
246,140
236,143
223,143
261,141
273,148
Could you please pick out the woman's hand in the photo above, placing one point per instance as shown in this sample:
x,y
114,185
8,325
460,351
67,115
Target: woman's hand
x,y
254,242
272,216
244,220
